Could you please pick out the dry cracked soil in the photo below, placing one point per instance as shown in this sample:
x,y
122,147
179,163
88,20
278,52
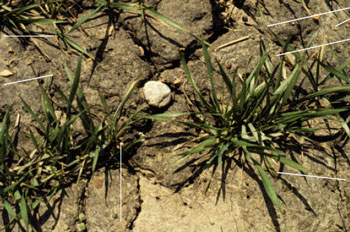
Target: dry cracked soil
x,y
151,199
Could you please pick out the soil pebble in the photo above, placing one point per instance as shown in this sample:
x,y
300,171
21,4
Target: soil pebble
x,y
157,93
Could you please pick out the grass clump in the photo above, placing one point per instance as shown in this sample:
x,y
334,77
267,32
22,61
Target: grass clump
x,y
30,179
17,16
260,113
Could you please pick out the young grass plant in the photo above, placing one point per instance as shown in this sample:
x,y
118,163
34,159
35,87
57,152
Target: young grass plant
x,y
255,118
59,157
58,11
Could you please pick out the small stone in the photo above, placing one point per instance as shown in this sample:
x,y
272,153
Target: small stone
x,y
177,82
142,51
6,73
157,93
316,19
10,50
228,65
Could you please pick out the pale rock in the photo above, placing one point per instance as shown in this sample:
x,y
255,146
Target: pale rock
x,y
6,73
157,93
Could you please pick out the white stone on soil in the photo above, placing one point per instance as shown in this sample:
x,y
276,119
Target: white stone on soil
x,y
157,93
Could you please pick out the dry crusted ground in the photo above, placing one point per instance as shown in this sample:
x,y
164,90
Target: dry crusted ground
x,y
126,52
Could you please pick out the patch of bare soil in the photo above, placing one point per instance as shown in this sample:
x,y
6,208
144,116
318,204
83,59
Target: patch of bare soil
x,y
152,200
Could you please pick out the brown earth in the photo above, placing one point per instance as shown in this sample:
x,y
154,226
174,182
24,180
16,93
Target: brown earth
x,y
150,201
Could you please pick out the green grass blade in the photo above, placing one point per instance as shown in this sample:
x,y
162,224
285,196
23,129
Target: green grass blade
x,y
19,10
210,73
254,132
281,90
94,156
229,85
208,144
73,44
344,88
241,143
9,209
86,17
74,87
116,115
172,23
270,190
34,140
4,127
24,212
30,111
164,116
123,6
336,72
43,21
81,100
47,106
190,79
291,163
104,104
221,150
291,84
344,124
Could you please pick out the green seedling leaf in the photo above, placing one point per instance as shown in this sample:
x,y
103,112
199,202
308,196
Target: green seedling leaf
x,y
190,79
19,10
270,190
74,44
229,85
104,104
35,204
164,116
81,100
290,86
47,107
291,163
24,212
30,111
9,208
254,132
4,127
241,143
74,87
219,153
205,127
208,144
336,72
17,195
287,46
344,124
43,21
172,23
94,156
14,185
123,6
116,115
34,140
281,90
210,73
87,17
